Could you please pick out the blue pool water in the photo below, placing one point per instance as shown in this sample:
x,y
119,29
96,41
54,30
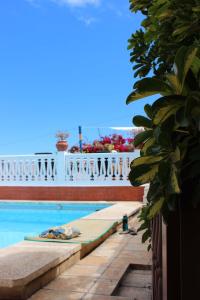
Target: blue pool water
x,y
20,219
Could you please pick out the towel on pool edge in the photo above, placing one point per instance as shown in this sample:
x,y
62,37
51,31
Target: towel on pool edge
x,y
60,233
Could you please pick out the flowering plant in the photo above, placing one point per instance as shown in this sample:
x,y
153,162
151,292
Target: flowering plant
x,y
74,149
114,142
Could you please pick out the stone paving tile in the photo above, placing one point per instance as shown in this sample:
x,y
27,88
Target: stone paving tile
x,y
83,270
114,273
102,297
104,252
137,257
111,246
56,295
119,264
135,279
93,260
79,284
134,293
119,237
134,247
143,272
103,287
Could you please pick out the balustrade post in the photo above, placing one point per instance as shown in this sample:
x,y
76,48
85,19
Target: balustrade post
x,y
60,167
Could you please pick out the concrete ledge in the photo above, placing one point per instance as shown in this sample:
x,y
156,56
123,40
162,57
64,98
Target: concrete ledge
x,y
90,193
116,211
28,266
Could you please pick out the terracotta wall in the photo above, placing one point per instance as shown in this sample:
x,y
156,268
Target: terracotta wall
x,y
72,193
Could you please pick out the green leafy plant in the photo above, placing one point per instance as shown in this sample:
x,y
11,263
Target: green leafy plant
x,y
167,25
170,156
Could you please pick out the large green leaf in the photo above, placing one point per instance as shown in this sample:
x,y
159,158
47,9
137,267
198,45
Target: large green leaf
x,y
180,30
196,9
164,173
166,101
143,174
174,184
142,137
154,191
141,121
146,160
176,155
195,67
165,14
174,83
183,61
155,209
164,113
147,87
148,110
146,235
163,137
147,145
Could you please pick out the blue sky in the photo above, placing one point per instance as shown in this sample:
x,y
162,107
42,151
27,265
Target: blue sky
x,y
63,63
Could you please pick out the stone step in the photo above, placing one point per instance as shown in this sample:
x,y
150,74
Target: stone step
x,y
28,266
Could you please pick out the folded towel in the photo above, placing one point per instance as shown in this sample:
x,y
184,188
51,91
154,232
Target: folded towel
x,y
60,233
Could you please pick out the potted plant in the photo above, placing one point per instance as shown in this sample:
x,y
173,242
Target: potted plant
x,y
62,144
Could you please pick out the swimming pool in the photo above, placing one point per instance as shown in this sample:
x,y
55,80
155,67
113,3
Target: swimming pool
x,y
27,218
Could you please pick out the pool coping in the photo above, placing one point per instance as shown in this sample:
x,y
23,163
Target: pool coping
x,y
23,286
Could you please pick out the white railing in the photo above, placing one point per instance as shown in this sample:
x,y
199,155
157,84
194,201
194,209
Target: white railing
x,y
27,169
66,169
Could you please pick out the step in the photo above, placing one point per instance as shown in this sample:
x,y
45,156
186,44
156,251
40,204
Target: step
x,y
28,266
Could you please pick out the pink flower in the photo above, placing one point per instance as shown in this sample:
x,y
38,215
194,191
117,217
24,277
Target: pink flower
x,y
118,139
130,140
106,140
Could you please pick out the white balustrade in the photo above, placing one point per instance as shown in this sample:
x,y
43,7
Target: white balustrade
x,y
27,169
62,168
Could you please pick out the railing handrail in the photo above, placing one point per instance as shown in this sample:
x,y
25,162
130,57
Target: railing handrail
x,y
102,154
27,155
72,154
64,168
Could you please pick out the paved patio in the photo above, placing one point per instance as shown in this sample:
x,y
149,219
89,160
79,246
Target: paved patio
x,y
105,272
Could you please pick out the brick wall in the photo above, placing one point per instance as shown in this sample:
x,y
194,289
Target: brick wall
x,y
120,193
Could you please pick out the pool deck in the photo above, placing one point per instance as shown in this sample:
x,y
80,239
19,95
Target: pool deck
x,y
99,275
29,266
